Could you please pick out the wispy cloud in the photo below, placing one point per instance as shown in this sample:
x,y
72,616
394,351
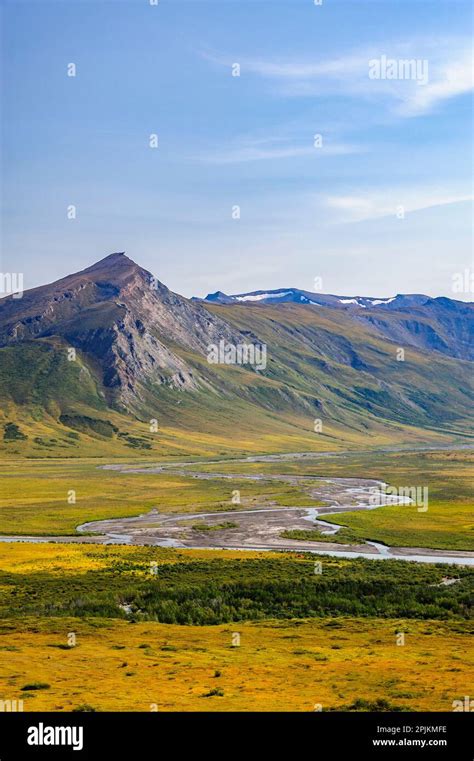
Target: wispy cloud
x,y
452,79
259,151
390,202
449,64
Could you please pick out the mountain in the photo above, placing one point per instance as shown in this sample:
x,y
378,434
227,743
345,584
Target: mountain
x,y
117,314
298,296
109,359
439,324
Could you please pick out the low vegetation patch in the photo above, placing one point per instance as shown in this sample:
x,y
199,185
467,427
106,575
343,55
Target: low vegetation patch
x,y
214,526
89,425
202,589
343,536
12,432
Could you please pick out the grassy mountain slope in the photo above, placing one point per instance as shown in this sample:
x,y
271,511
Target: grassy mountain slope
x,y
141,357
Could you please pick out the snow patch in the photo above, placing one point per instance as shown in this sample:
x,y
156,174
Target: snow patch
x,y
261,296
375,302
352,301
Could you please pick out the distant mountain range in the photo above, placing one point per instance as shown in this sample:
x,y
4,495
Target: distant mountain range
x,y
297,296
96,355
453,333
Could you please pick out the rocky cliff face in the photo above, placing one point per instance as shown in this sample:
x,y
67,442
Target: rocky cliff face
x,y
116,312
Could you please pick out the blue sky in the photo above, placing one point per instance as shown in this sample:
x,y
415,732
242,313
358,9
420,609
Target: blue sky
x,y
381,206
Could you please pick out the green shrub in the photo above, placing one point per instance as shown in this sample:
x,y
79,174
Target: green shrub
x,y
12,432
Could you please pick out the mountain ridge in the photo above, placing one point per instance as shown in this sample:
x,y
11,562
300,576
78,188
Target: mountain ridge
x,y
445,309
141,351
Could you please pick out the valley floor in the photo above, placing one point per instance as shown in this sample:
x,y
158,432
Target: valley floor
x,y
272,527
137,626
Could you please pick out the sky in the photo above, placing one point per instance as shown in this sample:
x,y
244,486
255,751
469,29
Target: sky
x,y
288,151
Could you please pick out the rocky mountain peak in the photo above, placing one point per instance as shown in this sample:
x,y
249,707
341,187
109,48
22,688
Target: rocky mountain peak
x,y
129,322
